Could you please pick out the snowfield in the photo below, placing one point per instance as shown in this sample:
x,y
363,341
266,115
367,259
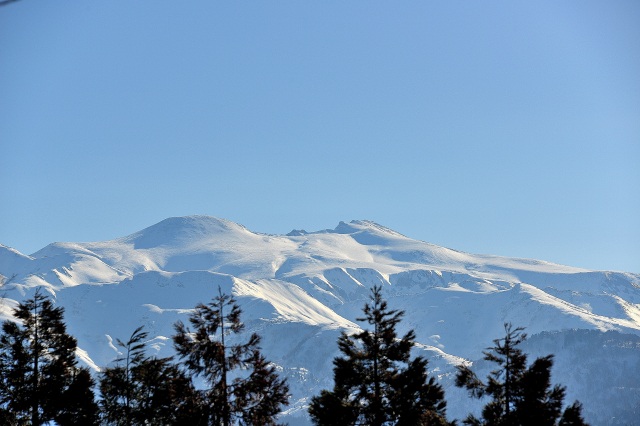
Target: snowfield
x,y
300,291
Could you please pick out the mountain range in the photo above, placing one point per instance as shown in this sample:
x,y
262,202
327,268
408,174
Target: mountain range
x,y
301,290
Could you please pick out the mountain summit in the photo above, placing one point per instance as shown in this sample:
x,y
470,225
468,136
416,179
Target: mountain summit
x,y
300,290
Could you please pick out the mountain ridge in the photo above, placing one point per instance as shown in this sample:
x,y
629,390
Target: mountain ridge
x,y
201,221
300,291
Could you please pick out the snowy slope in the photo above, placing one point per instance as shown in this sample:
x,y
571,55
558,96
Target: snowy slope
x,y
300,290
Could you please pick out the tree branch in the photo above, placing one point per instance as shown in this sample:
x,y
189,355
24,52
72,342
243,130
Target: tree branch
x,y
6,2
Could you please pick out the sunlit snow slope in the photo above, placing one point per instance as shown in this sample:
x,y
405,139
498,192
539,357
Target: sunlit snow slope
x,y
300,290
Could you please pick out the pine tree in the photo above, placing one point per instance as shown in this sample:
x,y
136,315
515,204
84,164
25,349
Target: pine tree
x,y
142,390
117,385
80,406
520,395
572,416
39,368
14,369
263,393
376,381
167,395
252,398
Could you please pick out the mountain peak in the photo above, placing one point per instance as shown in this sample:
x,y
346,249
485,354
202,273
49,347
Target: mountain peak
x,y
363,225
350,228
183,229
301,291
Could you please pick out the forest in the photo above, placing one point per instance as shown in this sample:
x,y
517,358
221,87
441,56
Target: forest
x,y
215,380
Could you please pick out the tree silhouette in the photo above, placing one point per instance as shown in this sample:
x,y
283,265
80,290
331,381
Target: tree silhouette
x,y
520,395
253,398
142,390
41,381
376,381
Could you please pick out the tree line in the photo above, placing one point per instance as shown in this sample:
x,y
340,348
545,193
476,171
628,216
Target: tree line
x,y
43,384
377,382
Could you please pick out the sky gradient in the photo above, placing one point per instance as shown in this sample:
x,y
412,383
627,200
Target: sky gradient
x,y
499,127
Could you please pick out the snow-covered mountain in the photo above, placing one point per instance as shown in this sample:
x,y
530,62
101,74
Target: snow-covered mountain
x,y
300,290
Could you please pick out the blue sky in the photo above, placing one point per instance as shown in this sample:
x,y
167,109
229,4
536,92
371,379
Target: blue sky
x,y
497,127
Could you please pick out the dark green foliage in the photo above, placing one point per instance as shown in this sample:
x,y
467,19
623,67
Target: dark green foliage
x,y
333,408
262,394
417,399
167,395
612,396
539,403
118,388
113,385
16,372
41,381
520,395
143,390
252,398
81,409
376,382
572,416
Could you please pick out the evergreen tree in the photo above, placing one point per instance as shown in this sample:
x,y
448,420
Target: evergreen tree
x,y
376,381
520,395
263,393
40,376
572,416
15,370
252,398
141,390
117,385
80,406
167,395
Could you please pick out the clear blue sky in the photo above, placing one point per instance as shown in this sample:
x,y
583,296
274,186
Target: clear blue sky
x,y
496,127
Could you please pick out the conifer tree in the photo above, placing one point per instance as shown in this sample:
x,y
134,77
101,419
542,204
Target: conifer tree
x,y
167,395
142,390
252,398
80,406
520,395
117,386
376,381
262,395
572,416
40,376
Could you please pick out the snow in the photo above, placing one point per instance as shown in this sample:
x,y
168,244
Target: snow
x,y
300,291
291,303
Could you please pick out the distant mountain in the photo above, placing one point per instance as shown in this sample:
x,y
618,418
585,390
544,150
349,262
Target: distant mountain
x,y
300,290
